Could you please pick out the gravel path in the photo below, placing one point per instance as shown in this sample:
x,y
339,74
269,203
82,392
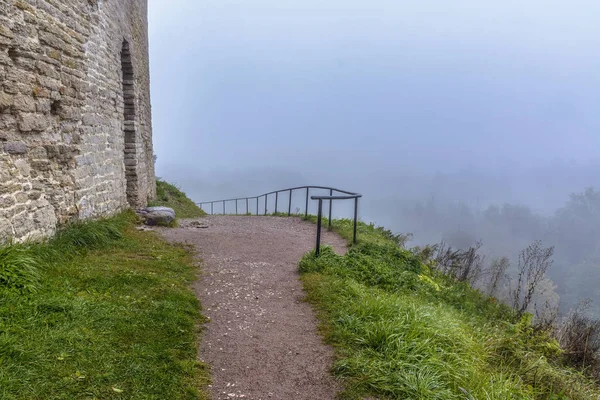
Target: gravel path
x,y
261,341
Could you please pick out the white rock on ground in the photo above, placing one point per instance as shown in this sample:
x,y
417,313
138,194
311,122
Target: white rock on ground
x,y
157,215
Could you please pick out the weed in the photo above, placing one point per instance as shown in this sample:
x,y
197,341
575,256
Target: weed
x,y
533,264
580,337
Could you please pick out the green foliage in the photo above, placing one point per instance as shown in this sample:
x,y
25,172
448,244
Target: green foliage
x,y
84,236
365,232
168,195
20,263
19,271
113,317
404,330
278,214
372,264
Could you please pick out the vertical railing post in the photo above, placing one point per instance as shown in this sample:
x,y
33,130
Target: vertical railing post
x,y
290,204
355,219
306,207
236,206
223,207
330,203
257,206
319,215
247,210
276,199
211,207
266,195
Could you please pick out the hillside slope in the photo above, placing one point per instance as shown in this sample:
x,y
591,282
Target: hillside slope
x,y
404,330
169,195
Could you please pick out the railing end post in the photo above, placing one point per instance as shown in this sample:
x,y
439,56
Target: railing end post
x,y
355,219
330,207
319,215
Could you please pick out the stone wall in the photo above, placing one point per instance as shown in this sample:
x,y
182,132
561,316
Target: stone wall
x,y
75,122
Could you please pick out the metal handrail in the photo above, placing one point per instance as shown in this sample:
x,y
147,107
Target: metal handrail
x,y
346,195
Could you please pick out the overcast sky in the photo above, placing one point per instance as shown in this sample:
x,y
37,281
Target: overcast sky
x,y
347,89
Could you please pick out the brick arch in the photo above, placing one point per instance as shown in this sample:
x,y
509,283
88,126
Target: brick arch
x,y
129,127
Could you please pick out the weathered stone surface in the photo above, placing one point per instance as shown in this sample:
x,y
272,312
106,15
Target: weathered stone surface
x,y
15,147
33,122
65,112
5,101
23,103
157,215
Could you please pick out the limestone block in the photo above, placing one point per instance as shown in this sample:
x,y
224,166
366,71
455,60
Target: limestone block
x,y
15,147
24,103
6,100
24,169
29,122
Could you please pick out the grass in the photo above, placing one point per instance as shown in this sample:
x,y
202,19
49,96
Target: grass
x,y
402,330
102,311
168,195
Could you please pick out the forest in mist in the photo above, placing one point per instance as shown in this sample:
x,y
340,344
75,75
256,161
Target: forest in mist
x,y
505,229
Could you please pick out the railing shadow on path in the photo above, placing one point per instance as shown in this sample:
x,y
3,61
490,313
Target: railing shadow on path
x,y
334,194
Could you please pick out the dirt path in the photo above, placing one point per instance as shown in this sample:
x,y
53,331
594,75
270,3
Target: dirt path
x,y
261,340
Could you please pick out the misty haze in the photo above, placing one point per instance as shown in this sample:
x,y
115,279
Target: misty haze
x,y
471,122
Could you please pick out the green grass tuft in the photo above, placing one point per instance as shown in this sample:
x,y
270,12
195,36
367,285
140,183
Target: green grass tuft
x,y
365,232
403,330
19,270
89,235
112,317
168,195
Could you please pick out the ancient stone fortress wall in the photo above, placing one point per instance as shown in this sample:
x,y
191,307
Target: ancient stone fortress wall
x,y
75,123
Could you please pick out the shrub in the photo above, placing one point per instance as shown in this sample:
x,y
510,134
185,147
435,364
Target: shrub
x,y
579,336
497,274
534,261
460,265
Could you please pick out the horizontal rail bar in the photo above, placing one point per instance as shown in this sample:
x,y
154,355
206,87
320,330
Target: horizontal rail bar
x,y
220,201
310,187
336,197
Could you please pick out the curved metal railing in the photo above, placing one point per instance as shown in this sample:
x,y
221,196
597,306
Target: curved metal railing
x,y
334,194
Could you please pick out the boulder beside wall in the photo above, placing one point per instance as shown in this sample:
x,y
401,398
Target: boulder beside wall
x,y
164,216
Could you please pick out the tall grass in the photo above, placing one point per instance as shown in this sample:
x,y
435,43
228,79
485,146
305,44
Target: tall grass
x,y
19,270
404,330
21,264
101,311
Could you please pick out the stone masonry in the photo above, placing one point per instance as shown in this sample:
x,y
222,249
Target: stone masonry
x,y
75,122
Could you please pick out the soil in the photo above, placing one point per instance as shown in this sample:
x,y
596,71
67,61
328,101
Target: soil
x,y
261,340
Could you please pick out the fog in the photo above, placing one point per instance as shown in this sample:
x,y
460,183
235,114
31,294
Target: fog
x,y
461,121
